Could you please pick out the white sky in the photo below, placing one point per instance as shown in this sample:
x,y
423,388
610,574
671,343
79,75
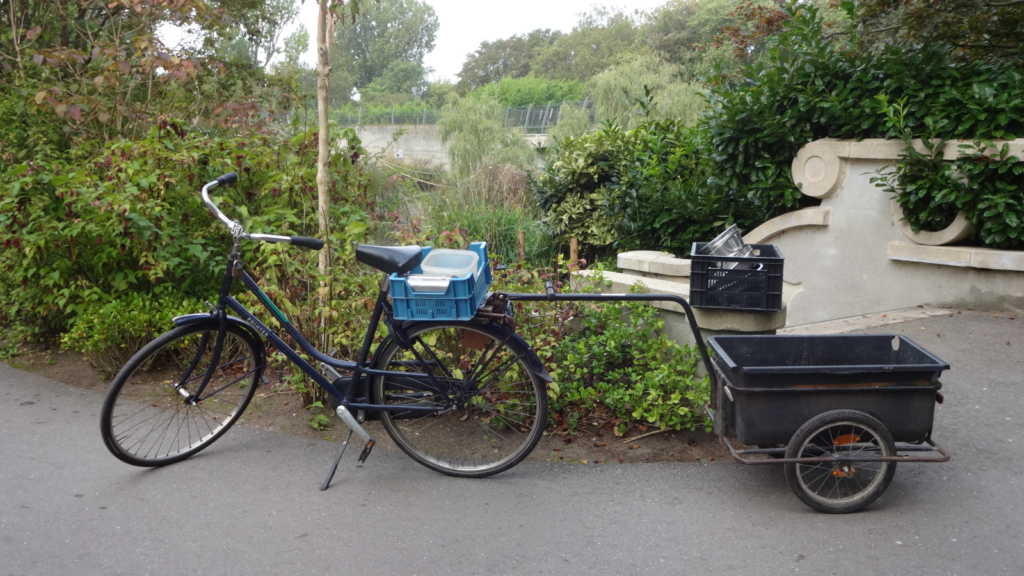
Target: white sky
x,y
466,23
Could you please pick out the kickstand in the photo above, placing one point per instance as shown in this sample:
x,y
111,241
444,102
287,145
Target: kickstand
x,y
337,460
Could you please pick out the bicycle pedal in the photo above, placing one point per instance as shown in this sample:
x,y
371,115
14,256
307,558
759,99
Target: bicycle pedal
x,y
366,451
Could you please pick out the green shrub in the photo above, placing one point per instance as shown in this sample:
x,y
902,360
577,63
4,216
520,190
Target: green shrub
x,y
110,333
474,132
620,361
616,365
494,205
643,188
131,220
662,187
813,85
986,183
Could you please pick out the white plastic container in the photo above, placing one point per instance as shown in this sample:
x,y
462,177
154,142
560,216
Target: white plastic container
x,y
431,284
451,263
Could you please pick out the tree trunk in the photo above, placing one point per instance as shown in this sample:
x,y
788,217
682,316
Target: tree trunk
x,y
324,156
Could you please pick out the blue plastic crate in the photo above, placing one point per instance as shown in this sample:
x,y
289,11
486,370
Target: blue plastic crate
x,y
459,302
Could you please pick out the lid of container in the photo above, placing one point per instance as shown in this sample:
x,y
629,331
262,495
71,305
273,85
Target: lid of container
x,y
446,262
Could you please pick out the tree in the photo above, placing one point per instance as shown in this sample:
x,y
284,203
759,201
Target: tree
x,y
977,29
389,31
597,41
682,31
400,77
507,58
329,10
616,90
256,27
100,68
295,46
474,130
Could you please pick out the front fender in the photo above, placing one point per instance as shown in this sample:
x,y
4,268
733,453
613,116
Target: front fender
x,y
189,319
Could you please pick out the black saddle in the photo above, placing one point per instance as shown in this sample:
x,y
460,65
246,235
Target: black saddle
x,y
390,259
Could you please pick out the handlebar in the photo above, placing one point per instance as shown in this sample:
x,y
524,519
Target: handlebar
x,y
236,229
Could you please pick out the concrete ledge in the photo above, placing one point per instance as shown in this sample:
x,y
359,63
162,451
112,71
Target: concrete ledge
x,y
963,257
652,262
814,216
820,168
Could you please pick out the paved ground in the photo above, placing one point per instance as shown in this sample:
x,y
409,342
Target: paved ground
x,y
250,505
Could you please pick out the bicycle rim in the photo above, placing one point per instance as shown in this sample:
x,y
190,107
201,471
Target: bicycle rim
x,y
500,407
147,421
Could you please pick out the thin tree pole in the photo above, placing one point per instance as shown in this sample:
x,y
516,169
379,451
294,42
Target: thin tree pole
x,y
323,71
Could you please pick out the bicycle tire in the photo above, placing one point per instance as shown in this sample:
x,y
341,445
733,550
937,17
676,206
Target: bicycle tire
x,y
833,487
146,422
503,410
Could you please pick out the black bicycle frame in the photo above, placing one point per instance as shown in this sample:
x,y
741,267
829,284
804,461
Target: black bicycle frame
x,y
358,368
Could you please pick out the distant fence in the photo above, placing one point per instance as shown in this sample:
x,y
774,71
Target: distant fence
x,y
540,119
532,119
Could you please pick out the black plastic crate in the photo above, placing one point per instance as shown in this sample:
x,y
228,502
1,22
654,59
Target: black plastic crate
x,y
755,284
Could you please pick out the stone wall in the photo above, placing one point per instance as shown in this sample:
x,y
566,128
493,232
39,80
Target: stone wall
x,y
418,144
853,255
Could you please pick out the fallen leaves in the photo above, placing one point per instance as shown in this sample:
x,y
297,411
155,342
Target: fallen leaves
x,y
600,444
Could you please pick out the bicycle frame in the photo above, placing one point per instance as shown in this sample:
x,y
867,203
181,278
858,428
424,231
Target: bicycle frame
x,y
359,368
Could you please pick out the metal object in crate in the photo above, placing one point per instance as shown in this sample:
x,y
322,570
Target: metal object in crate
x,y
458,301
737,282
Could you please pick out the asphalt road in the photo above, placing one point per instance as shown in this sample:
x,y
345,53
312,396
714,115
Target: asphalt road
x,y
250,505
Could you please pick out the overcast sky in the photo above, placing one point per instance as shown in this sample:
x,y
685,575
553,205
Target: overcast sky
x,y
466,23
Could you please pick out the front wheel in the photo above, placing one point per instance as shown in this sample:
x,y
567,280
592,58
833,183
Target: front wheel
x,y
840,487
492,409
148,418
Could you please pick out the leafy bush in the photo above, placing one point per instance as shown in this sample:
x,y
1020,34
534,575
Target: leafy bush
x,y
812,85
110,333
130,220
643,188
614,364
620,361
528,90
985,182
659,187
993,194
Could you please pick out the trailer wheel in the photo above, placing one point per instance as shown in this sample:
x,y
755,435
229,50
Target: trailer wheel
x,y
840,487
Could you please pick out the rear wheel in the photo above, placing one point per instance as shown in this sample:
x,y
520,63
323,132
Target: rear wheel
x,y
493,409
146,418
840,487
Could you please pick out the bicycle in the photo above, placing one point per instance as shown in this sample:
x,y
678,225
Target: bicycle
x,y
464,398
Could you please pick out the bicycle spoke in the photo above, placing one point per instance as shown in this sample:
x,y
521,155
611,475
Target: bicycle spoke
x,y
147,422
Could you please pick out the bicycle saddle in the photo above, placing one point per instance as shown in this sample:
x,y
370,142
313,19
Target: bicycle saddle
x,y
390,259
